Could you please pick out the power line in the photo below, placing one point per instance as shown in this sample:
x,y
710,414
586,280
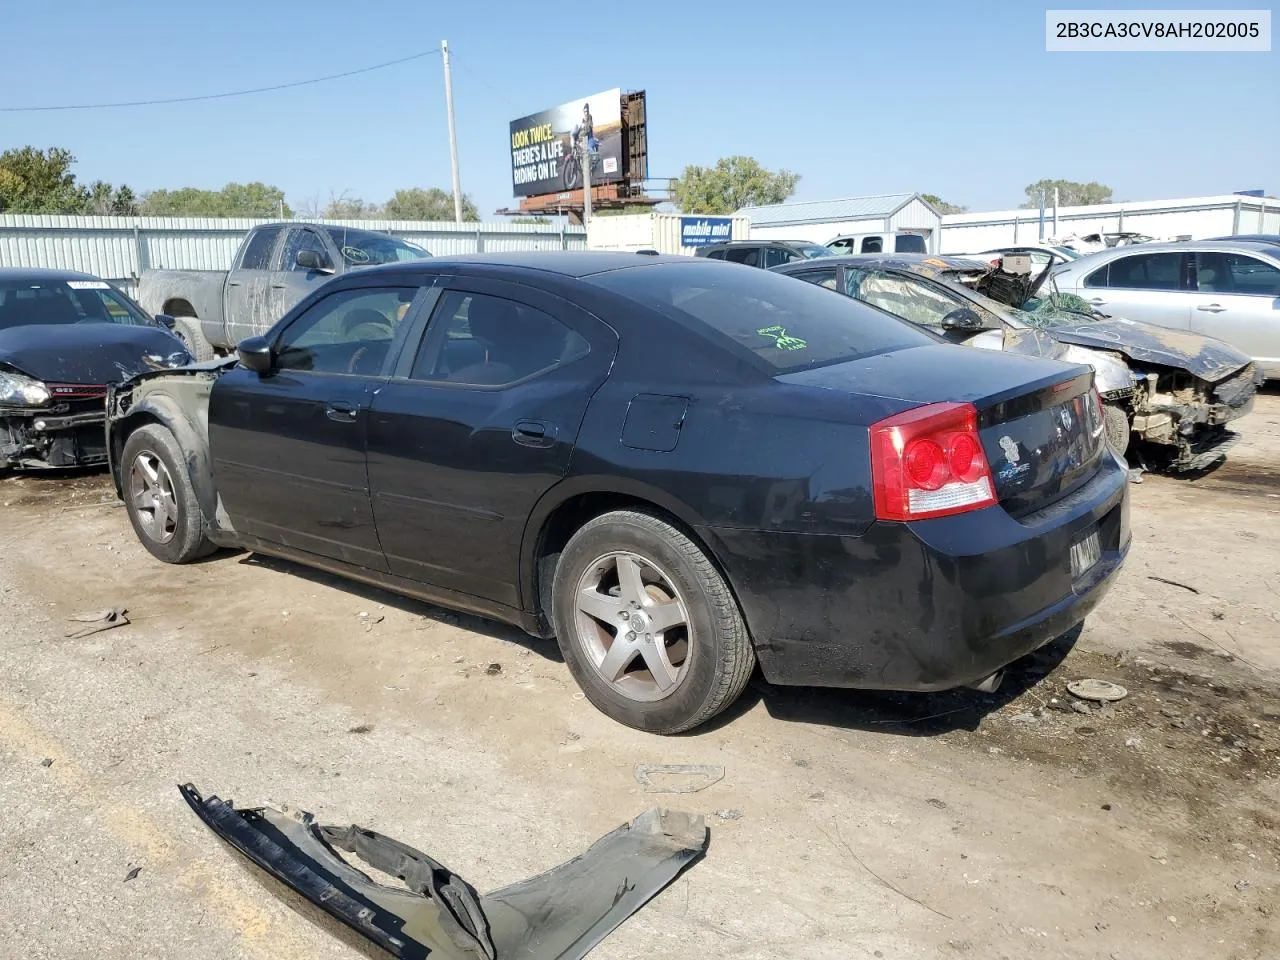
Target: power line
x,y
222,96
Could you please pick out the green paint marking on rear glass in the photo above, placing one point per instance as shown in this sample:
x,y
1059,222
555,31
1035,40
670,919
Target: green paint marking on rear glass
x,y
781,339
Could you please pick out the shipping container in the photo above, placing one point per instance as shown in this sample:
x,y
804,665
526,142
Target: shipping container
x,y
664,232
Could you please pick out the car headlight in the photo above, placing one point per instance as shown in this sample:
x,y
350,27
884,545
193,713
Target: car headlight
x,y
22,391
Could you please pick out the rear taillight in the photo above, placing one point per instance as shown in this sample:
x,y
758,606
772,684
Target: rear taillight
x,y
929,462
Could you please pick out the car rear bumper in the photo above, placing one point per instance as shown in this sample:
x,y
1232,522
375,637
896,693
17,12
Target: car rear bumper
x,y
35,440
929,605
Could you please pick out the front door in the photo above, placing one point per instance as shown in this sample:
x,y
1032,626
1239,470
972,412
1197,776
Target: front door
x,y
291,283
289,446
1237,299
466,438
245,303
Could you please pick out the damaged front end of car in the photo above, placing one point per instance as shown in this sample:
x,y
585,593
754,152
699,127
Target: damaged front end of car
x,y
559,915
49,424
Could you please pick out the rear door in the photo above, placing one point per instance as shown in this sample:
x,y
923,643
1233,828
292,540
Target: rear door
x,y
1150,287
476,426
1236,298
288,446
246,305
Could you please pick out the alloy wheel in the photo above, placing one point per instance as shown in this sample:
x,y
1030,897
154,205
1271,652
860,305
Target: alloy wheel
x,y
634,626
151,493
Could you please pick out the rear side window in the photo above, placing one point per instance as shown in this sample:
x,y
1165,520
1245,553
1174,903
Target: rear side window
x,y
748,255
1146,271
779,325
872,245
715,255
908,243
1236,273
257,253
823,278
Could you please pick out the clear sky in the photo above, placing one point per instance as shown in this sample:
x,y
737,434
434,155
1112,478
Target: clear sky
x,y
958,99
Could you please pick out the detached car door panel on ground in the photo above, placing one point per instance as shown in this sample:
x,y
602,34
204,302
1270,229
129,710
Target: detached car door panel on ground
x,y
289,446
477,429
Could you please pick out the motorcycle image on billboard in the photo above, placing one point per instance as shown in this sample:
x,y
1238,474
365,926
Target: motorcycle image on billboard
x,y
548,148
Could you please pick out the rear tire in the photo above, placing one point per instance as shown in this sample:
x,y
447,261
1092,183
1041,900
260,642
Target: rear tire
x,y
689,655
1117,423
162,504
187,329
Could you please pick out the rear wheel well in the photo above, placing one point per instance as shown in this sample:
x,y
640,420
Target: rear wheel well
x,y
569,517
178,307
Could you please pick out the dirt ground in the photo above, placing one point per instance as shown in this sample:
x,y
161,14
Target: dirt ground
x,y
961,824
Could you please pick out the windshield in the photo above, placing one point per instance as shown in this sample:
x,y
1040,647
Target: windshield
x,y
27,302
782,324
361,247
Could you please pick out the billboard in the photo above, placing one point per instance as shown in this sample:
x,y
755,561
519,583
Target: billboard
x,y
543,159
704,231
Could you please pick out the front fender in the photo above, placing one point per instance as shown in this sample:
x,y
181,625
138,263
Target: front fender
x,y
193,438
1111,374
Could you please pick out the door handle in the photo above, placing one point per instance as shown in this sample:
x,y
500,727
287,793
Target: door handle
x,y
1211,308
277,286
339,411
534,433
233,283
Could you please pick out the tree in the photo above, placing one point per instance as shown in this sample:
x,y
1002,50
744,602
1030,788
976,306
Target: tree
x,y
41,181
416,203
350,208
941,205
1070,193
733,183
234,200
102,200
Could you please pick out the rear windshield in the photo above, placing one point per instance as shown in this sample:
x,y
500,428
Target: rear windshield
x,y
30,302
908,243
783,323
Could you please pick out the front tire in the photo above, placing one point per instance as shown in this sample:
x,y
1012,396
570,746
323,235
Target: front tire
x,y
187,329
647,625
1117,424
162,504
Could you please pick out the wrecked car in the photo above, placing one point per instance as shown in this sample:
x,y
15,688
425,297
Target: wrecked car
x,y
63,338
558,915
677,467
1176,391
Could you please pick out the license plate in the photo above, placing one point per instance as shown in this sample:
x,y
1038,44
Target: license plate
x,y
1085,553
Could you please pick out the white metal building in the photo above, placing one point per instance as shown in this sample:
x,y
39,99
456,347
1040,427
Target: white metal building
x,y
120,248
1192,218
820,221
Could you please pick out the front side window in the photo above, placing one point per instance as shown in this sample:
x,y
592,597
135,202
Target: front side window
x,y
822,278
300,239
841,247
763,317
906,297
1236,273
1146,271
477,339
346,332
257,253
56,302
776,256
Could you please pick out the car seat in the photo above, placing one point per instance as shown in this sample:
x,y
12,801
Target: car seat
x,y
516,342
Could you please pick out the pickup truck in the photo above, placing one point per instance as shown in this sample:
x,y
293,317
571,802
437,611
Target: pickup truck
x,y
276,266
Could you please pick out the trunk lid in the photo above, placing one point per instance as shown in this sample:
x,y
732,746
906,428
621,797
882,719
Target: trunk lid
x,y
1040,429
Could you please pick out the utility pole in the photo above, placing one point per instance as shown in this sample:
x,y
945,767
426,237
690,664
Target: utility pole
x,y
453,137
586,183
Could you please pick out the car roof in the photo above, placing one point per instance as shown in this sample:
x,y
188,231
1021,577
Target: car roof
x,y
1171,246
924,264
43,273
564,263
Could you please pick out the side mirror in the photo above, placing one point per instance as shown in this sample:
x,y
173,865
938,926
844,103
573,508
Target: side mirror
x,y
255,354
311,260
166,321
962,318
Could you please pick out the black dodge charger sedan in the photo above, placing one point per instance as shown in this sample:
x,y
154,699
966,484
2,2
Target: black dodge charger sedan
x,y
677,467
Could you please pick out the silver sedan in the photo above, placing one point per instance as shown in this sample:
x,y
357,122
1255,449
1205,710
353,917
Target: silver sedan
x,y
1227,289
